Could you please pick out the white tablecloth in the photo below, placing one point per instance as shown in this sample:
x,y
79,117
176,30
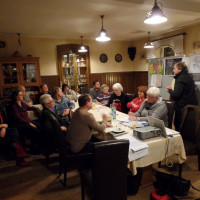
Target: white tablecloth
x,y
157,146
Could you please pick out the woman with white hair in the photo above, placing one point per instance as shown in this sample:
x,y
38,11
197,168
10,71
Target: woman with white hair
x,y
119,98
104,97
152,106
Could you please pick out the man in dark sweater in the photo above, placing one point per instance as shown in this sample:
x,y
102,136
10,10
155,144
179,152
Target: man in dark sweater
x,y
96,90
183,93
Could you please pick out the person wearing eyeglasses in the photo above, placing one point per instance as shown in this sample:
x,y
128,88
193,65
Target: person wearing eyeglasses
x,y
21,120
152,106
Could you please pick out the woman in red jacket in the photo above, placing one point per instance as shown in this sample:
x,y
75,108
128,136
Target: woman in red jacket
x,y
137,102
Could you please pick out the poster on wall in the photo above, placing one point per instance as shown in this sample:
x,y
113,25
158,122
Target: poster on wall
x,y
169,65
194,67
156,80
156,66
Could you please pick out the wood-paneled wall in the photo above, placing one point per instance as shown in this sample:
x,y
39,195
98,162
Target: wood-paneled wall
x,y
129,80
51,81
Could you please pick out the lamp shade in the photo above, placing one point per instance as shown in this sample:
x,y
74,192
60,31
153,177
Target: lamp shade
x,y
156,15
82,48
103,35
148,44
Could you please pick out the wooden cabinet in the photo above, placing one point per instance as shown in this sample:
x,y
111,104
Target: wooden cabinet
x,y
19,71
74,67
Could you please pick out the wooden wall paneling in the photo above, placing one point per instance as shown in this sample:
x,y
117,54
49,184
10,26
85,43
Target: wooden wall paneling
x,y
129,80
51,81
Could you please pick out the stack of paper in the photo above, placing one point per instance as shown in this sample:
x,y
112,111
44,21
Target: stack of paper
x,y
137,148
137,124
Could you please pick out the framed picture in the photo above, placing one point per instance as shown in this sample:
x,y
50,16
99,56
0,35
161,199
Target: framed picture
x,y
169,65
142,56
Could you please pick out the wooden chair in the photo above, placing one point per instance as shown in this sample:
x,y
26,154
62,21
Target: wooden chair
x,y
190,130
107,178
68,160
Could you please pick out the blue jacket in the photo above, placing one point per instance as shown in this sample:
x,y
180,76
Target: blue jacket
x,y
60,106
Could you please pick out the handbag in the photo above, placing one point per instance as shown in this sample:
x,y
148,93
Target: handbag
x,y
171,184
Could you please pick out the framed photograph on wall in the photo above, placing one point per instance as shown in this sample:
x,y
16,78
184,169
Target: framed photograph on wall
x,y
169,65
142,56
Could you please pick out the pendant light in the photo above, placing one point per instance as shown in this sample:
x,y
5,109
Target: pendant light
x,y
149,44
156,15
102,36
82,48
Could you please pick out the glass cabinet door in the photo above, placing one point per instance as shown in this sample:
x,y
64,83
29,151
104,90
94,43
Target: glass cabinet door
x,y
10,73
29,71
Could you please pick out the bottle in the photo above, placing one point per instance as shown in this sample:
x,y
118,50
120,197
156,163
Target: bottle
x,y
113,111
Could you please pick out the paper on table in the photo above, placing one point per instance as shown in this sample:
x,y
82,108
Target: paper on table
x,y
170,131
126,122
134,144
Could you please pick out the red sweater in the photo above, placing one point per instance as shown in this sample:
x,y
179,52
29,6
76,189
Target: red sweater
x,y
136,101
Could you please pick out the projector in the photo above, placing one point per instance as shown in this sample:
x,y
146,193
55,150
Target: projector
x,y
147,132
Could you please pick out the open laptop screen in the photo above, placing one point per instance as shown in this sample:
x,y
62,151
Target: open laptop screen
x,y
157,123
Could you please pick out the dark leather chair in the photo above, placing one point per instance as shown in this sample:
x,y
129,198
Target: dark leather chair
x,y
170,113
131,96
190,130
107,178
68,160
84,90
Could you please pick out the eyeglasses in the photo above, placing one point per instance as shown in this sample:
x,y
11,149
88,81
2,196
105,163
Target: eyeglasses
x,y
51,102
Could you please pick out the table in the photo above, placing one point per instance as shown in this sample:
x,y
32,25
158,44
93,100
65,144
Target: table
x,y
157,146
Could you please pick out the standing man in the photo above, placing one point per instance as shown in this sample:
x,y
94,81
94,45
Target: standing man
x,y
95,91
183,93
82,123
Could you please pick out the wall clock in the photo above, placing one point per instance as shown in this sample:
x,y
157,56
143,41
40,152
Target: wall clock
x,y
103,58
2,44
118,57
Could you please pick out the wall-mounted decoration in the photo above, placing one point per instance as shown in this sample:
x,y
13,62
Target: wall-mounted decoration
x,y
132,52
2,44
118,57
142,56
196,45
169,65
103,58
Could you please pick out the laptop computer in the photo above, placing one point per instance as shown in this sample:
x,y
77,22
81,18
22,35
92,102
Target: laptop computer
x,y
157,123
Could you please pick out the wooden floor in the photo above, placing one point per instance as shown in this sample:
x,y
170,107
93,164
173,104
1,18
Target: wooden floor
x,y
36,182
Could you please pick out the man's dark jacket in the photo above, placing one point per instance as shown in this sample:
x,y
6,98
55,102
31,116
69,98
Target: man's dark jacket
x,y
184,91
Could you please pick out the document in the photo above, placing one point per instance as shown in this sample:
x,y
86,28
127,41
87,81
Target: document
x,y
137,124
137,148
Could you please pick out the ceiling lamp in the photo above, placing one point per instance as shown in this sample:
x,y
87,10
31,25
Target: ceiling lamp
x,y
149,44
102,36
82,48
156,15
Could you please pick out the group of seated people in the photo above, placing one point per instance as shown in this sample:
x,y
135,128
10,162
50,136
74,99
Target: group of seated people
x,y
78,129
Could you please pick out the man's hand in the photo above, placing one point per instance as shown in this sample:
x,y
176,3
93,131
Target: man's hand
x,y
168,88
66,112
34,126
63,128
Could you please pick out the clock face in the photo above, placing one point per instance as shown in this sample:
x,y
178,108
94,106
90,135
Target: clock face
x,y
118,57
103,58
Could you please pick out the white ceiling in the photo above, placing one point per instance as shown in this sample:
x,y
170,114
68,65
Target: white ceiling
x,y
73,18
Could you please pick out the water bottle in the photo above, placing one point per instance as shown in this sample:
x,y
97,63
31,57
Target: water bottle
x,y
113,111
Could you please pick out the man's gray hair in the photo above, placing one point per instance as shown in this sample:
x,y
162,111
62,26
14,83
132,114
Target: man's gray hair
x,y
44,99
103,86
117,86
154,91
20,87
